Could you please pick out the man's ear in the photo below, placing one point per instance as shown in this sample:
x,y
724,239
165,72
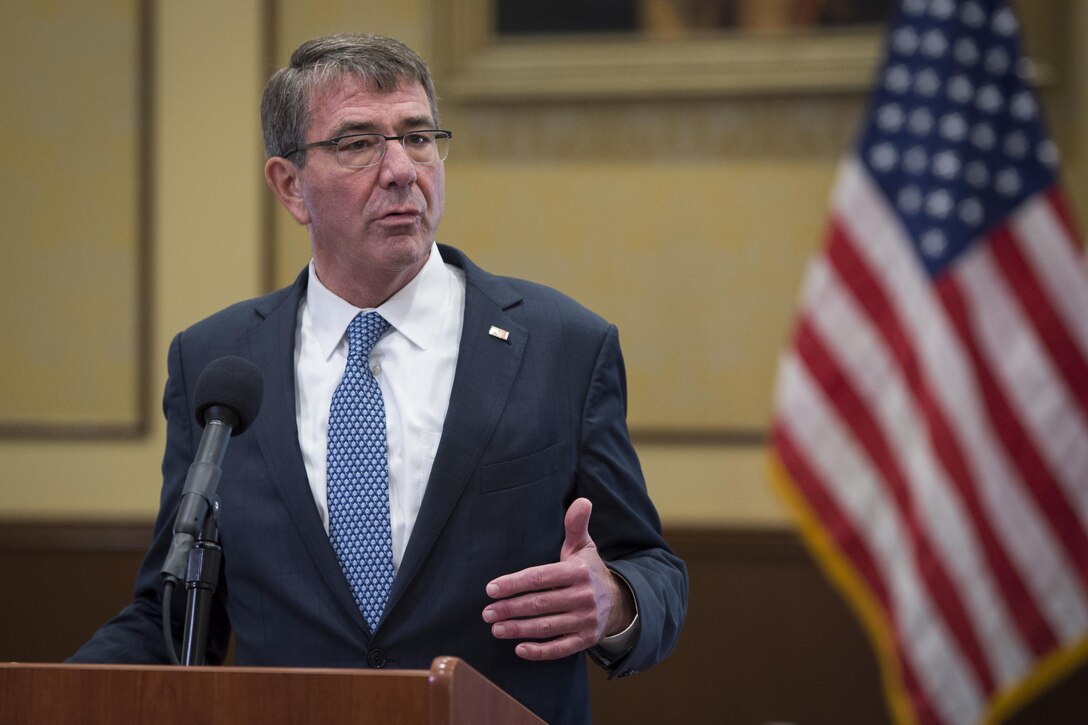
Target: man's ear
x,y
283,178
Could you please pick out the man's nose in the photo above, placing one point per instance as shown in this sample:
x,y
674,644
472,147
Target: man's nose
x,y
397,166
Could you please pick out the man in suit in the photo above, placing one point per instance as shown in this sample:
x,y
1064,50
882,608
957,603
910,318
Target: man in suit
x,y
513,524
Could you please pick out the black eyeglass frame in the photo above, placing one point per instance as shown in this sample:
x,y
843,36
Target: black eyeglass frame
x,y
335,144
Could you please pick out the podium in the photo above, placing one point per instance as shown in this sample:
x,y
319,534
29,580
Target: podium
x,y
450,693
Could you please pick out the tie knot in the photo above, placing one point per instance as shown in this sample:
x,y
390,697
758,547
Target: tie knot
x,y
363,334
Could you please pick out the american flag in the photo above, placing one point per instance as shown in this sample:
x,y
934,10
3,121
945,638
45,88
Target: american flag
x,y
931,412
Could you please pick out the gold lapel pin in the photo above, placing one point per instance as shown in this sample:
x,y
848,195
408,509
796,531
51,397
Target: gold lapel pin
x,y
499,333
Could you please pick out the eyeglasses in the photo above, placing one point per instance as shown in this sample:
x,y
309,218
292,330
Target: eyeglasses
x,y
360,150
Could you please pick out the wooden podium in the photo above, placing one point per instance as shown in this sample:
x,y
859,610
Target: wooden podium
x,y
451,692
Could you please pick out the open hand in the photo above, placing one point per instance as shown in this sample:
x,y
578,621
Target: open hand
x,y
565,607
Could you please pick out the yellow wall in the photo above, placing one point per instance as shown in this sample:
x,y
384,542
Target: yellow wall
x,y
205,242
701,238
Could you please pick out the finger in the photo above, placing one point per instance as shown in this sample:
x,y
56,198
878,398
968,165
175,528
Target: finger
x,y
576,524
539,604
552,650
541,628
533,579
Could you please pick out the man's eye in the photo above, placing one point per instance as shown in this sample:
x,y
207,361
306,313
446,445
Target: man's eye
x,y
418,139
357,144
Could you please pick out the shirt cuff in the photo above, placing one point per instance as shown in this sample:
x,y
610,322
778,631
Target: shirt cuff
x,y
619,644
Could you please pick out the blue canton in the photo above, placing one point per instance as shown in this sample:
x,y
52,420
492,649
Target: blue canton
x,y
955,137
358,473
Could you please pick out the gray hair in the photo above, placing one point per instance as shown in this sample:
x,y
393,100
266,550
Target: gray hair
x,y
381,62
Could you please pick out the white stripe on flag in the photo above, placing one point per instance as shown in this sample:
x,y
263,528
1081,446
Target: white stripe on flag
x,y
876,377
1058,262
1031,384
1042,401
864,212
850,480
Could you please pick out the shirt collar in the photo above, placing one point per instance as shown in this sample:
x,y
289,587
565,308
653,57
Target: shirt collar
x,y
414,310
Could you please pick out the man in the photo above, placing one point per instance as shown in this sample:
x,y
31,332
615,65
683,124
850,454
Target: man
x,y
511,524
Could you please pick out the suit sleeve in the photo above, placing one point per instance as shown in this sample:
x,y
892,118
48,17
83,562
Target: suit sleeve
x,y
135,635
625,525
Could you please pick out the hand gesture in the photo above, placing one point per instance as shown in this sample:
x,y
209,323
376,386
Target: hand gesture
x,y
561,608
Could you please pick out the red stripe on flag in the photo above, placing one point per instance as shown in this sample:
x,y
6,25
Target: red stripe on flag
x,y
834,519
840,526
1038,478
850,544
867,431
1064,214
871,296
1064,352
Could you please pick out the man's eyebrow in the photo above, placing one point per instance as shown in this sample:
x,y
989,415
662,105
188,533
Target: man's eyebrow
x,y
353,127
406,124
417,122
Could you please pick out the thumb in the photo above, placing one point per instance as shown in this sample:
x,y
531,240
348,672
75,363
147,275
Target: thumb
x,y
576,523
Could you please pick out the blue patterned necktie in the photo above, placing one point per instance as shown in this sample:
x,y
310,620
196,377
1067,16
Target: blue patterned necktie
x,y
358,473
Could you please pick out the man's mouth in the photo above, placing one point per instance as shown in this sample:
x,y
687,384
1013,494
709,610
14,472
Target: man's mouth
x,y
401,215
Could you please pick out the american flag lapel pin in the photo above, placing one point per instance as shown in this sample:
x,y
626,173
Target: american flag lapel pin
x,y
499,333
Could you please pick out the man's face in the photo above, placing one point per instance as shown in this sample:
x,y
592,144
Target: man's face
x,y
377,221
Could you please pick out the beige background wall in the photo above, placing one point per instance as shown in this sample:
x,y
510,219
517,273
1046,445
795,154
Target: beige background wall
x,y
693,245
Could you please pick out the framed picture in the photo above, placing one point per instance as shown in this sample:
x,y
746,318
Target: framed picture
x,y
630,48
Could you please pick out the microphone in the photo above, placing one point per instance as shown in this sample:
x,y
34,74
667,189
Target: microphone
x,y
228,398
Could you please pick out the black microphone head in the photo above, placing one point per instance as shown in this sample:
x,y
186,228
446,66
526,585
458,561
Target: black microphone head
x,y
233,383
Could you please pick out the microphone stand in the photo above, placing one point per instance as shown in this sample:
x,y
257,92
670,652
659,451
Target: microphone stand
x,y
202,574
194,551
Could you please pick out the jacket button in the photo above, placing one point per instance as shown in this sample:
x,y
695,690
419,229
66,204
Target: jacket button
x,y
376,659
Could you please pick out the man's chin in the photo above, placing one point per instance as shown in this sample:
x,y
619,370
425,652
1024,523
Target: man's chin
x,y
403,252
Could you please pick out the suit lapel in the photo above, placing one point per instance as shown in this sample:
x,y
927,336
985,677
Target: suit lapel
x,y
486,368
273,341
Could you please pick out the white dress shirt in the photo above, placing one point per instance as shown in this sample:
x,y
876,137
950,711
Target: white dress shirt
x,y
414,363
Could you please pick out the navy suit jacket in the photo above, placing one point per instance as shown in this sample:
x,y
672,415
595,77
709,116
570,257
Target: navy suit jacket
x,y
534,422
